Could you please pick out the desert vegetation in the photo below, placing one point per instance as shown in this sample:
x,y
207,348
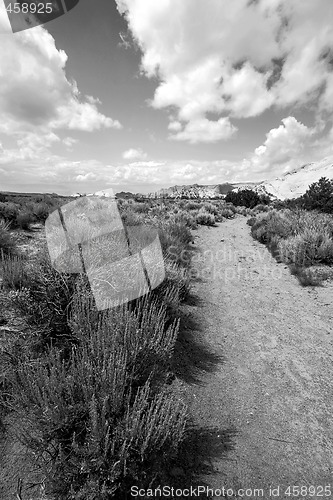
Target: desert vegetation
x,y
301,239
92,391
246,198
299,232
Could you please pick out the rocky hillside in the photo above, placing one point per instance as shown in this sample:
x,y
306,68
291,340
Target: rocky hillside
x,y
290,185
295,183
194,191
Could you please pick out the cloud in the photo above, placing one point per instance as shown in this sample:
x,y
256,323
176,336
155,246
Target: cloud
x,y
86,177
204,130
236,59
69,142
35,93
134,154
288,146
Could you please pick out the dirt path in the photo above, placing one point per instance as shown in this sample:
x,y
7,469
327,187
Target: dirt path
x,y
273,391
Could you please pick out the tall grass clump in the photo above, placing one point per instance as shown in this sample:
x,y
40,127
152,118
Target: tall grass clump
x,y
296,237
92,388
102,419
7,243
46,298
205,218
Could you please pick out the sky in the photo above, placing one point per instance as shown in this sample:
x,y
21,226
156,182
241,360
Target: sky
x,y
137,95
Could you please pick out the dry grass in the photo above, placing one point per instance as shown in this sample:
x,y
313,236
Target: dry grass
x,y
298,238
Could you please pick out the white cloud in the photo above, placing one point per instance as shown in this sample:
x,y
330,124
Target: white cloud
x,y
86,177
236,59
287,146
35,93
134,154
69,142
203,130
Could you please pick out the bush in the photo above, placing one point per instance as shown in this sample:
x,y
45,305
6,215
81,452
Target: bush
x,y
24,219
210,208
319,196
270,224
192,205
7,244
227,213
189,220
175,238
296,237
103,415
41,211
244,197
14,273
9,212
140,207
251,221
205,218
307,248
131,218
51,294
305,277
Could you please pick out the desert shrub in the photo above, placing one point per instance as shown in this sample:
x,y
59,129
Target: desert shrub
x,y
227,213
7,243
211,208
14,272
251,221
187,218
178,277
272,223
242,211
244,197
305,276
298,238
319,196
205,218
41,211
9,212
175,238
140,207
24,219
307,248
131,218
51,294
262,208
100,414
192,205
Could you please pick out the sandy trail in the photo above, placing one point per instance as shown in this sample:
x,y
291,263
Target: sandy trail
x,y
274,386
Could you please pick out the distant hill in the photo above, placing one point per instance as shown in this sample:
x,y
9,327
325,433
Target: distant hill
x,y
295,183
194,191
290,185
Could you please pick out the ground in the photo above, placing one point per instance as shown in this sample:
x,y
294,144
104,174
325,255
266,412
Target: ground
x,y
270,394
255,366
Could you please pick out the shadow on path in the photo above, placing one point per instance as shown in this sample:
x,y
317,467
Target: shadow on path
x,y
193,357
196,457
